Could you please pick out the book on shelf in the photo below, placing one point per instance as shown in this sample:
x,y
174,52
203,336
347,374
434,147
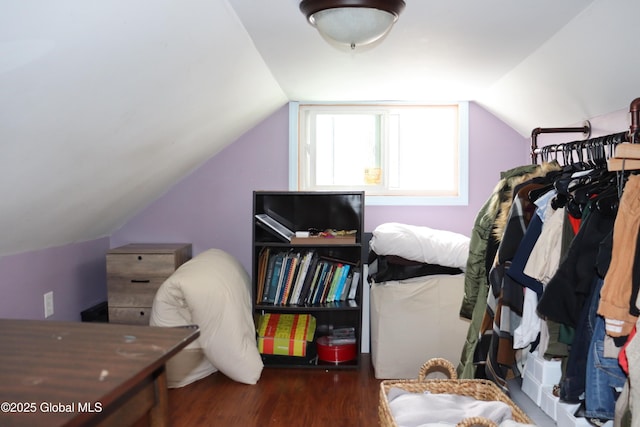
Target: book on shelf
x,y
292,271
266,282
326,285
281,277
319,284
353,289
332,285
344,293
303,269
337,293
272,280
263,263
276,228
303,278
308,288
340,276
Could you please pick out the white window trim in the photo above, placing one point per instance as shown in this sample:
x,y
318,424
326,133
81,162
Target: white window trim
x,y
463,163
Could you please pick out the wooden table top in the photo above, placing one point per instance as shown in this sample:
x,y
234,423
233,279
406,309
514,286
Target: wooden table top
x,y
63,373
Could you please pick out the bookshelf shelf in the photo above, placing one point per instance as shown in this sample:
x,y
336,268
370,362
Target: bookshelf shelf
x,y
318,276
308,308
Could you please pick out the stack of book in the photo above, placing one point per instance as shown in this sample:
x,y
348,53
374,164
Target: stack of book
x,y
303,278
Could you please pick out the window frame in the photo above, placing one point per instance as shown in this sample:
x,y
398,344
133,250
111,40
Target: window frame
x,y
462,199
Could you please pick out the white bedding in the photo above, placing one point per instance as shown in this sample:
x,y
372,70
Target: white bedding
x,y
422,244
442,409
212,290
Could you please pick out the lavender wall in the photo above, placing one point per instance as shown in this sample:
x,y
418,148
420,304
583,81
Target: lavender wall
x,y
75,273
212,206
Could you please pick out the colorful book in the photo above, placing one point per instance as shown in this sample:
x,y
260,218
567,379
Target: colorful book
x,y
275,278
263,263
333,287
308,287
346,268
327,283
319,284
303,269
284,273
268,278
292,271
285,334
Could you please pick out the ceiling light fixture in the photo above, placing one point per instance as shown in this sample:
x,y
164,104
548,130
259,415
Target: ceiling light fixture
x,y
352,22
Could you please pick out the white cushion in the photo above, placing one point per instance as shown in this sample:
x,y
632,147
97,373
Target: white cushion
x,y
212,290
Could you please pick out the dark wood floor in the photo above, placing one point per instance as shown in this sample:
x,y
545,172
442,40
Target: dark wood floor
x,y
282,397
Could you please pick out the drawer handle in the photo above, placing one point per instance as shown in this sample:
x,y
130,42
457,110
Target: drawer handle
x,y
140,280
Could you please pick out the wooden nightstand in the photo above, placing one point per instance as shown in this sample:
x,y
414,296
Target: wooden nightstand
x,y
134,274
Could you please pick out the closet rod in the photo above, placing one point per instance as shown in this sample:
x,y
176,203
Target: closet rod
x,y
633,136
585,130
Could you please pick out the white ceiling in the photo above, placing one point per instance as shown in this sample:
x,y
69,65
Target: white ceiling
x,y
438,49
104,105
532,63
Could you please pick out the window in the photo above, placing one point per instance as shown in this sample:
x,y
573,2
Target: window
x,y
397,153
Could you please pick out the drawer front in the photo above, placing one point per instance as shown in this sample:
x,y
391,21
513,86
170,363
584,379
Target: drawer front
x,y
140,265
125,292
130,316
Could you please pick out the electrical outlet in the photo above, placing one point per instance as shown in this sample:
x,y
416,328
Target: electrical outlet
x,y
48,304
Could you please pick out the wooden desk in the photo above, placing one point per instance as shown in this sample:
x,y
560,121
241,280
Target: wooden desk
x,y
81,374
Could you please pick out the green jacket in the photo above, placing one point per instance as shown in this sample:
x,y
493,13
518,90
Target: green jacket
x,y
476,283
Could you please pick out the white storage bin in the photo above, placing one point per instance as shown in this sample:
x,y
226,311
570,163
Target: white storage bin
x,y
414,320
566,418
549,403
546,372
532,387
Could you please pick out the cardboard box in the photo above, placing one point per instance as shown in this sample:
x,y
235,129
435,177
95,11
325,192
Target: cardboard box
x,y
285,334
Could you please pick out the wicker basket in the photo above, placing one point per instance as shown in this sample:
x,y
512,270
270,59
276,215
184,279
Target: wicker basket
x,y
478,389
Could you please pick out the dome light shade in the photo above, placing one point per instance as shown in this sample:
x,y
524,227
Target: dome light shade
x,y
352,22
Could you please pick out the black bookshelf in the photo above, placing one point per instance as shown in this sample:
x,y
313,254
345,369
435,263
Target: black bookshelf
x,y
316,211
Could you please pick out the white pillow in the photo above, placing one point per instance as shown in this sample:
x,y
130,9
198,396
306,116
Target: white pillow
x,y
422,244
212,290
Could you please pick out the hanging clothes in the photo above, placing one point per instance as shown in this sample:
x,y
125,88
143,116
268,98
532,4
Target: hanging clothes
x,y
504,302
482,248
566,293
573,382
616,303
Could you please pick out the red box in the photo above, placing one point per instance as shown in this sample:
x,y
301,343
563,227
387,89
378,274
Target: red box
x,y
335,352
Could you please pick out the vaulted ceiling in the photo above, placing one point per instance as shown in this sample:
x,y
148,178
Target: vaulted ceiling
x,y
104,105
